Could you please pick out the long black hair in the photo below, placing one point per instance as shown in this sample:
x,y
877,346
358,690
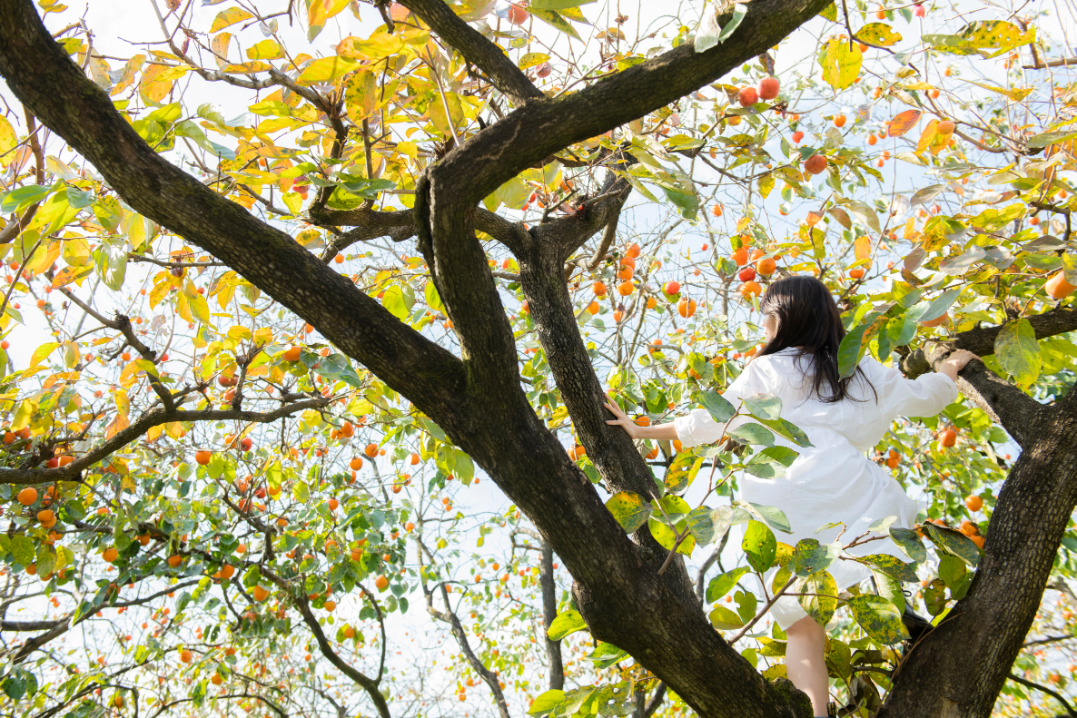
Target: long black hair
x,y
809,321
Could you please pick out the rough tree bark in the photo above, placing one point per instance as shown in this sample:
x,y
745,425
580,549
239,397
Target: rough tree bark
x,y
959,668
477,397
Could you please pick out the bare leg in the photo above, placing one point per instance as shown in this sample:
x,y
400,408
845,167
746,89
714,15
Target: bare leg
x,y
805,663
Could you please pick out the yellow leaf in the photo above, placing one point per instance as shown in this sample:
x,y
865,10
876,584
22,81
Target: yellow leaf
x,y
42,261
326,69
248,67
238,332
265,50
532,59
130,71
157,82
118,424
23,414
175,429
67,275
220,48
878,33
8,140
123,403
76,252
361,95
42,353
318,11
99,70
1016,94
229,17
862,248
840,63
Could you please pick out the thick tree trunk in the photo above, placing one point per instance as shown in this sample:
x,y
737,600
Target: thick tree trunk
x,y
958,669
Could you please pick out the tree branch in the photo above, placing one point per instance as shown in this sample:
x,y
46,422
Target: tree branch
x,y
476,49
1012,409
152,418
364,681
981,340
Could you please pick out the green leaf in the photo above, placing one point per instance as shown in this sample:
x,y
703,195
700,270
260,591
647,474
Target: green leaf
x,y
724,619
46,560
809,556
851,350
723,584
701,525
764,406
823,601
840,62
753,434
605,655
565,624
951,569
910,543
893,567
1045,139
682,472
676,508
546,703
935,597
631,510
556,21
22,548
398,301
686,202
746,604
789,430
890,589
717,406
433,299
879,618
939,306
110,260
760,546
773,516
1018,352
954,542
19,199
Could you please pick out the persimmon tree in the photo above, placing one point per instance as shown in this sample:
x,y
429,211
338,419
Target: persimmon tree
x,y
283,347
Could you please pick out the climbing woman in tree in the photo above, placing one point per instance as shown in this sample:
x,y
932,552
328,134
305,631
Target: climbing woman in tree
x,y
833,480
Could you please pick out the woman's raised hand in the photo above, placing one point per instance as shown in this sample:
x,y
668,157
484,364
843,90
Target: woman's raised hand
x,y
956,362
622,419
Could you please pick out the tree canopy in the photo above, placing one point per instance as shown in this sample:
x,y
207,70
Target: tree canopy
x,y
309,310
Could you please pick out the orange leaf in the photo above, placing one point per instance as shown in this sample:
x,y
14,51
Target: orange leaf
x,y
862,247
903,122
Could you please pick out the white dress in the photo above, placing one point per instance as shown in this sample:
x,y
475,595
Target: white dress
x,y
833,480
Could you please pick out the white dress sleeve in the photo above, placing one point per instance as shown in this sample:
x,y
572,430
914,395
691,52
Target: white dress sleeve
x,y
699,427
926,395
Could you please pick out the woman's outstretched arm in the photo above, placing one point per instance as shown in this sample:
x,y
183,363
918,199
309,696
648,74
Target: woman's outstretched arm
x,y
667,432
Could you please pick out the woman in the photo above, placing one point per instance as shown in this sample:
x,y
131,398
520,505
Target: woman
x,y
833,480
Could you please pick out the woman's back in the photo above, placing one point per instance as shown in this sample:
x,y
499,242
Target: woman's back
x,y
875,398
861,419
